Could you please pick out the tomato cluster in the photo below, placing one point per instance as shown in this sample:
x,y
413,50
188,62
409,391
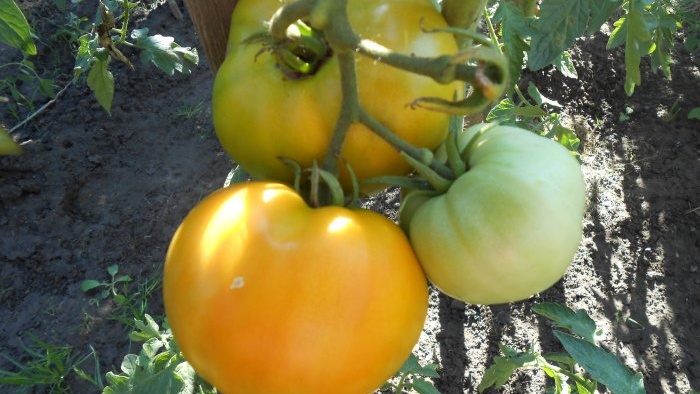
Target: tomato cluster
x,y
266,294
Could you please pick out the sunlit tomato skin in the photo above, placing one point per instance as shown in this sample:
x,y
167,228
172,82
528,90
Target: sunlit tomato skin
x,y
259,115
266,295
509,227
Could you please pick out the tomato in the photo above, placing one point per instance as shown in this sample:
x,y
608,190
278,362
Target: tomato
x,y
266,295
259,115
507,228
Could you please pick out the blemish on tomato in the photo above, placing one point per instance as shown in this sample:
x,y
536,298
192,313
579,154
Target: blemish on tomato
x,y
238,282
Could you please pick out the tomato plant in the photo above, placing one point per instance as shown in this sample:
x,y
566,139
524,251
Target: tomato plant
x,y
509,226
261,115
267,295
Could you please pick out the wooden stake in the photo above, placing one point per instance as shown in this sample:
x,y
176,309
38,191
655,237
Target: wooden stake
x,y
212,20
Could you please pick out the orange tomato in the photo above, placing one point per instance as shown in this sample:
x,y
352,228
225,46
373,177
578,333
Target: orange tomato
x,y
267,295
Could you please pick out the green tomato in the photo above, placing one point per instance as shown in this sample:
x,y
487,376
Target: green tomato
x,y
509,227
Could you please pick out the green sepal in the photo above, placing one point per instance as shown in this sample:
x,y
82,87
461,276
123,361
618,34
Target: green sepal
x,y
410,205
439,183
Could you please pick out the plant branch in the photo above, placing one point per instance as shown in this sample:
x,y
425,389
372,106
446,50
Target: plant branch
x,y
42,108
287,15
349,110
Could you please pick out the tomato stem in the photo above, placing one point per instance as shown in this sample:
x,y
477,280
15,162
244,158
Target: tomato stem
x,y
464,14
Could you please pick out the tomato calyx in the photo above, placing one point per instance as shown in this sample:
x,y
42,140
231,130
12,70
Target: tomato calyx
x,y
453,153
320,187
301,52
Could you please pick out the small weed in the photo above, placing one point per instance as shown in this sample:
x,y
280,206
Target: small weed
x,y
412,377
625,115
189,111
159,368
134,305
129,303
106,288
49,365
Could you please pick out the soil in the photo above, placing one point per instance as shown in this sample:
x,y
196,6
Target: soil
x,y
93,190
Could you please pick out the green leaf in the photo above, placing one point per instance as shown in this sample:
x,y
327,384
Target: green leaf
x,y
164,52
85,57
618,35
560,380
113,269
539,97
565,66
515,29
89,284
601,11
14,28
694,113
577,322
422,386
101,82
664,33
602,366
559,24
638,43
502,368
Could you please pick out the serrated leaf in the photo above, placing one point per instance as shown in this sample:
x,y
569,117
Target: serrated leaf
x,y
14,28
84,58
502,368
515,29
502,112
8,146
638,43
602,366
559,24
664,32
164,52
101,82
601,11
89,284
577,322
422,386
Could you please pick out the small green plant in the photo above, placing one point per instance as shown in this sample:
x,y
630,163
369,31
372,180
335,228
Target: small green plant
x,y
131,300
534,116
49,366
159,367
107,288
582,352
625,115
412,377
189,111
102,43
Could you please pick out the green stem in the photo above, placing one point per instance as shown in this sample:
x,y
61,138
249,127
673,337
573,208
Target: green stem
x,y
463,14
349,110
401,145
125,22
287,15
492,29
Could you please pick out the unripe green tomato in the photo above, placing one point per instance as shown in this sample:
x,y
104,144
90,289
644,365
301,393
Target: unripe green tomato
x,y
509,227
260,115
